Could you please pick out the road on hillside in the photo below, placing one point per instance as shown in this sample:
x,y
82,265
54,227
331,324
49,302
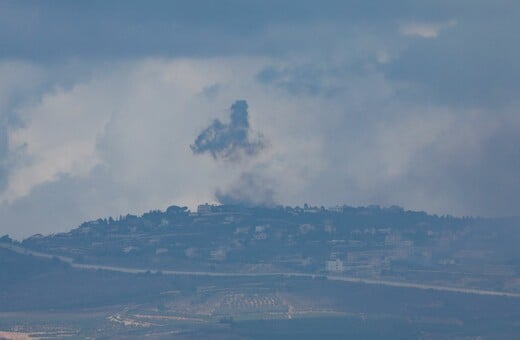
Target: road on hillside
x,y
128,270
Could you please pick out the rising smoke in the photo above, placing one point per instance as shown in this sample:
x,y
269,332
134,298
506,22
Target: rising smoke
x,y
230,141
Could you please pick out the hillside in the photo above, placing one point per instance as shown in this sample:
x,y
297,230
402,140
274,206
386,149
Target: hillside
x,y
235,272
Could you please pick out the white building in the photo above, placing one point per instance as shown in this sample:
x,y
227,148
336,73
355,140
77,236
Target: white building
x,y
160,251
262,228
260,236
335,266
218,254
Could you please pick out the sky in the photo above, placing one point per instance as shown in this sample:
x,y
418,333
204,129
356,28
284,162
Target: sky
x,y
116,107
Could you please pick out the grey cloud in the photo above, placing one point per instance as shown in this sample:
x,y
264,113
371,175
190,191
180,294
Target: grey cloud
x,y
108,29
481,181
4,153
473,63
470,169
314,79
66,202
212,91
21,84
301,80
250,190
230,141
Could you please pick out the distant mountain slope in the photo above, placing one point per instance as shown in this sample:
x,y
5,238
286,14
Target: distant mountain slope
x,y
366,242
358,273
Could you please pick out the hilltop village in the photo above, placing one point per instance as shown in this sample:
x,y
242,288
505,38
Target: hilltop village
x,y
366,242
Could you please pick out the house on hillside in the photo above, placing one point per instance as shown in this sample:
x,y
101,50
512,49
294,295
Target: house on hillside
x,y
335,266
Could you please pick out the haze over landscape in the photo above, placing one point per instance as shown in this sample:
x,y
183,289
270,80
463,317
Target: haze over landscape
x,y
254,169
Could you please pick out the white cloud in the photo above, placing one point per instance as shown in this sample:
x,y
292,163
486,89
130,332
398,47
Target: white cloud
x,y
118,141
139,120
425,29
58,135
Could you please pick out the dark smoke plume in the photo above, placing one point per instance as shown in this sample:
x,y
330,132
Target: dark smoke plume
x,y
229,141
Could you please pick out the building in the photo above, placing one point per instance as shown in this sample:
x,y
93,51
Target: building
x,y
260,236
218,254
204,209
160,251
335,266
261,228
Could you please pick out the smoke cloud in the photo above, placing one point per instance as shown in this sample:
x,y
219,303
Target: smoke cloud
x,y
250,190
230,141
